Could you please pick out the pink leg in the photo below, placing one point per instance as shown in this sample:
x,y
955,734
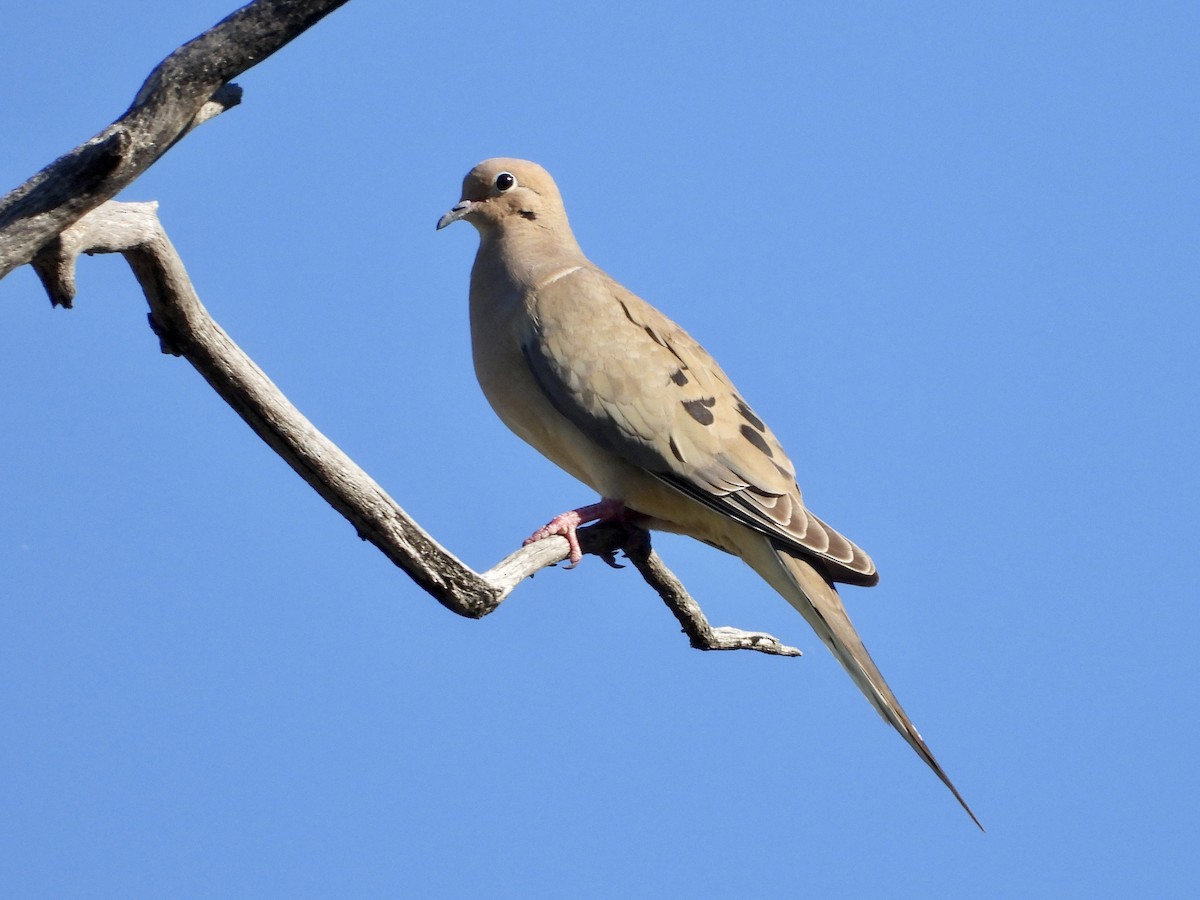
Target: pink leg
x,y
605,511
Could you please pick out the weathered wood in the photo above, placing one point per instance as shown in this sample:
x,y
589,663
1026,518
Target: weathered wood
x,y
65,210
186,329
185,89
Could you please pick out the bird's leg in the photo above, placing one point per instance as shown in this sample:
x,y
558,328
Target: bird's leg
x,y
607,510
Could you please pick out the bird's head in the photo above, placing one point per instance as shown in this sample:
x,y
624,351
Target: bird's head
x,y
502,192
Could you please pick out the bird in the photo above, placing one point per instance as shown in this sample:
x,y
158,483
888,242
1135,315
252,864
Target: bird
x,y
623,399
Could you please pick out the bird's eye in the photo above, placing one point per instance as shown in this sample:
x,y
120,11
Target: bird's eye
x,y
505,182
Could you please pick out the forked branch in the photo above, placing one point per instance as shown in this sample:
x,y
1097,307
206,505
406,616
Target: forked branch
x,y
185,329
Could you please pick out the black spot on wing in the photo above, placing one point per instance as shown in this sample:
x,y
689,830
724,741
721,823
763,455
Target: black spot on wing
x,y
701,410
748,414
756,439
654,336
679,377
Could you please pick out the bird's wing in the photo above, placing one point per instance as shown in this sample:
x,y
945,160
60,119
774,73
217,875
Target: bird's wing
x,y
639,386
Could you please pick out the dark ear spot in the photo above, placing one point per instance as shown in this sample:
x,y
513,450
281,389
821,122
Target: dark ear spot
x,y
700,410
528,214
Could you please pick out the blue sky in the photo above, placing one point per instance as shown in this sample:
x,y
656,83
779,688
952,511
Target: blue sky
x,y
950,254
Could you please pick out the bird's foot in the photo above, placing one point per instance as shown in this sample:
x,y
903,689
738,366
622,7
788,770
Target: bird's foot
x,y
606,510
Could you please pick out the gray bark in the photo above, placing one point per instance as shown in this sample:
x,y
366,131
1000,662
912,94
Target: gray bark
x,y
65,211
186,88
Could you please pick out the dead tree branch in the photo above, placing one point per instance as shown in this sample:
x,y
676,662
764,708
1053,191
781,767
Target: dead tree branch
x,y
66,210
187,88
185,329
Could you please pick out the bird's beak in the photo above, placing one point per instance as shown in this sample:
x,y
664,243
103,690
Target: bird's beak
x,y
460,209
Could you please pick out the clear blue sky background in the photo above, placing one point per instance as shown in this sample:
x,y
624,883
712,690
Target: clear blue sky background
x,y
949,251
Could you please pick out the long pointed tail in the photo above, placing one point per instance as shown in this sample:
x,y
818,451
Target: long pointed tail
x,y
815,599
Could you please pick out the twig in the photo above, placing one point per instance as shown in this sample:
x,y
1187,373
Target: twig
x,y
186,329
702,635
185,89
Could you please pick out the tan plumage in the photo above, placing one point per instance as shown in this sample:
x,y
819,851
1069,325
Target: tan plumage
x,y
625,400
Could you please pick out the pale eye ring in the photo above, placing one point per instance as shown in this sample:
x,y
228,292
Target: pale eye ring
x,y
505,182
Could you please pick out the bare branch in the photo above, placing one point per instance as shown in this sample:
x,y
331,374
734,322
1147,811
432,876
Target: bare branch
x,y
187,88
185,329
702,635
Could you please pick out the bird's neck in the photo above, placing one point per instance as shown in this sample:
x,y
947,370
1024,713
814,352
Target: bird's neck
x,y
527,255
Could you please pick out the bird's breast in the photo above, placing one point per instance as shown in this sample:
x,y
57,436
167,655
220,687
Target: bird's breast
x,y
500,324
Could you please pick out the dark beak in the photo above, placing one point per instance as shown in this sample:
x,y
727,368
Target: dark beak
x,y
458,211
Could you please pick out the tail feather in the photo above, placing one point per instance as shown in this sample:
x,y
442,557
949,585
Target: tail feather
x,y
814,597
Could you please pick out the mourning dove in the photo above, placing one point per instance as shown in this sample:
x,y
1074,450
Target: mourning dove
x,y
625,400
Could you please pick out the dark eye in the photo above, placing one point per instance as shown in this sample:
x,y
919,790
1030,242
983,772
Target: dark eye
x,y
505,182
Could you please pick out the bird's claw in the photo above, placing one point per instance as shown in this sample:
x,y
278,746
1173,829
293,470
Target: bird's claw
x,y
610,558
565,525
